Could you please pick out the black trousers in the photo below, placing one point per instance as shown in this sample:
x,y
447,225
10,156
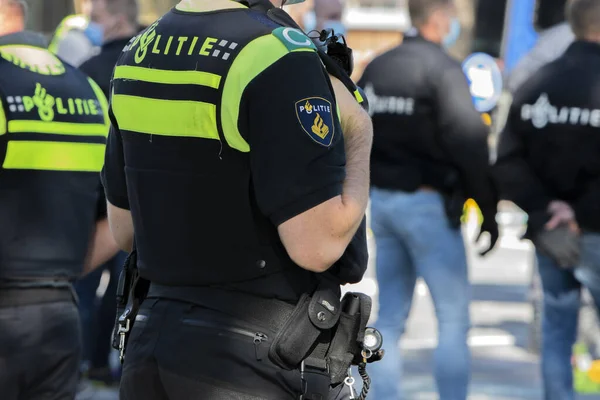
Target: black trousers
x,y
180,351
40,350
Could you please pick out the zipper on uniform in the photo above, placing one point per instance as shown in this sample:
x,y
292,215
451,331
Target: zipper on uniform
x,y
258,339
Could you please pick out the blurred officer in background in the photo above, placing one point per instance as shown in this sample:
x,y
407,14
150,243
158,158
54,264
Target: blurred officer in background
x,y
76,38
549,165
53,128
118,21
243,204
430,154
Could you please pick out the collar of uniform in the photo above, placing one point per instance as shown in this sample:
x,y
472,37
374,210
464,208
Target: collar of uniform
x,y
24,37
202,6
584,47
258,5
413,35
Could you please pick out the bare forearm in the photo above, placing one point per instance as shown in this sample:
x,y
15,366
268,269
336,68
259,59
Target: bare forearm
x,y
355,195
103,247
121,226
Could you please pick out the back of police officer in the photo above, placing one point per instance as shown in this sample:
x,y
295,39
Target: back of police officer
x,y
549,165
53,128
227,156
430,154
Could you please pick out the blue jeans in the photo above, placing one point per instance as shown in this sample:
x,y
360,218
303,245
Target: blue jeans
x,y
562,299
414,238
98,315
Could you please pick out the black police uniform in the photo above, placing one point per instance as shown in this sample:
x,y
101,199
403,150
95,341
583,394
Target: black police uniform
x,y
550,147
427,130
53,128
223,127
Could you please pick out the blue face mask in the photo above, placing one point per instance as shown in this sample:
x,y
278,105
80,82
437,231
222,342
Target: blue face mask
x,y
453,35
95,33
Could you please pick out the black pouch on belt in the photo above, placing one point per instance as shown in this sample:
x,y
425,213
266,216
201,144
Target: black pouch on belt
x,y
347,343
300,333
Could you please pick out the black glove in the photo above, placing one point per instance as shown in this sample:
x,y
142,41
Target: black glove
x,y
561,244
490,226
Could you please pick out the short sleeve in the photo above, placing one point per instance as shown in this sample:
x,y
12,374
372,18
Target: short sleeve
x,y
296,141
113,172
101,203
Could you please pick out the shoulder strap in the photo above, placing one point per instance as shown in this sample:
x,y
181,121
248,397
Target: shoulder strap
x,y
333,68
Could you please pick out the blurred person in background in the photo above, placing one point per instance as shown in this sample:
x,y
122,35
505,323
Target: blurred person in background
x,y
302,13
326,14
551,44
117,20
76,38
53,129
430,154
549,165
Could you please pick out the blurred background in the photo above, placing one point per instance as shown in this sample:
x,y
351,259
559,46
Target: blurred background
x,y
506,307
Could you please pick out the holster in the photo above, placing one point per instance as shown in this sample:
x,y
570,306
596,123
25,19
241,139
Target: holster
x,y
323,334
132,289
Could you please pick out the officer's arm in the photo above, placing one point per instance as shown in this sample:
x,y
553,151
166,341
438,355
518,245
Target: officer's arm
x,y
121,226
103,247
464,135
329,227
313,186
514,176
115,187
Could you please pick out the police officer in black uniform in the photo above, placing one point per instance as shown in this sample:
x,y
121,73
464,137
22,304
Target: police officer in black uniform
x,y
549,165
53,128
244,186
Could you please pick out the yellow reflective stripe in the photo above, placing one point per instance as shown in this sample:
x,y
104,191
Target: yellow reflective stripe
x,y
103,102
358,97
58,128
2,120
167,77
254,58
166,117
54,156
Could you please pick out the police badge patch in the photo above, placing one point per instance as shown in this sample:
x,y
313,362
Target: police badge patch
x,y
316,118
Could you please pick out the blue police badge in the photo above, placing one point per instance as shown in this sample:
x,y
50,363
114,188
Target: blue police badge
x,y
316,118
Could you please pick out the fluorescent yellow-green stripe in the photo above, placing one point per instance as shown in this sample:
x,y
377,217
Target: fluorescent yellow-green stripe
x,y
2,120
54,156
58,128
168,77
103,102
254,58
358,96
166,117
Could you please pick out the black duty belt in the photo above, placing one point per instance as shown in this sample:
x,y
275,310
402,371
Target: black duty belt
x,y
16,297
267,313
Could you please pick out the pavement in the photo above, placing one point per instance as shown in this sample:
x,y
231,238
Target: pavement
x,y
503,368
